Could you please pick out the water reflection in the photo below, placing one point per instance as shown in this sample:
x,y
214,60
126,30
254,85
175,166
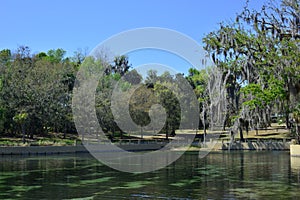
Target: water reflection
x,y
295,166
225,175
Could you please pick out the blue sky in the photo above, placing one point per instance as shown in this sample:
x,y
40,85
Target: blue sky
x,y
73,24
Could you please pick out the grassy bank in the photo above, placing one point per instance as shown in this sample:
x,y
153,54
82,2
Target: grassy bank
x,y
53,139
274,132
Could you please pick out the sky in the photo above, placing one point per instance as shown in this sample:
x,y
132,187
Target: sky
x,y
73,24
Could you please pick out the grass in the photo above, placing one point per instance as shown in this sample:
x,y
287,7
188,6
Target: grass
x,y
276,131
54,140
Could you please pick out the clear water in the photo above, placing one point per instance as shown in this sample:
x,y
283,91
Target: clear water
x,y
223,175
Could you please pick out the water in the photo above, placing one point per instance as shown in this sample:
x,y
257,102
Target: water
x,y
223,175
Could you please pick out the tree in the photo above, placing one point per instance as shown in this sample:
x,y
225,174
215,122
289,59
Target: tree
x,y
296,115
199,80
167,93
5,57
38,87
260,51
56,55
113,73
20,119
120,66
279,27
140,103
79,56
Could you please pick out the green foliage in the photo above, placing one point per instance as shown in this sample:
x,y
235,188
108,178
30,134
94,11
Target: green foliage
x,y
121,65
260,51
56,56
296,113
41,55
258,56
20,117
198,81
2,118
5,57
38,90
140,104
168,99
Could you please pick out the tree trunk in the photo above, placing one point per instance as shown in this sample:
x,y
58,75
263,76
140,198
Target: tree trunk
x,y
256,129
241,134
82,137
23,133
297,132
204,126
167,135
287,120
65,131
247,126
31,135
113,133
141,132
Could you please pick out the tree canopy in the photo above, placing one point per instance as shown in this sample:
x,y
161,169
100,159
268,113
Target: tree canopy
x,y
257,62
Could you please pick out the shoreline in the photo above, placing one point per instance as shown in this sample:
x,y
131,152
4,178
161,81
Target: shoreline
x,y
208,146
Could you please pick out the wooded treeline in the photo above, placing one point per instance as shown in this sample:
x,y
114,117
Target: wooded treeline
x,y
257,54
260,53
36,93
